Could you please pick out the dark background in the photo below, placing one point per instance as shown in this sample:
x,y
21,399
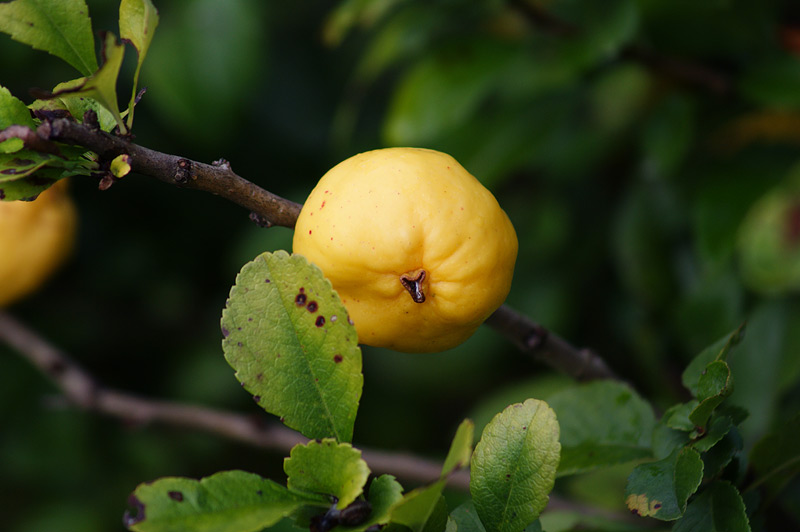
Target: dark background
x,y
631,143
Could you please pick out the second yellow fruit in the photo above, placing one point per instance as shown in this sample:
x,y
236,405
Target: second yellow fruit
x,y
418,249
35,238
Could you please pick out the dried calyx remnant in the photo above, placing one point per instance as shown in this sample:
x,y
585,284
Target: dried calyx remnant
x,y
412,282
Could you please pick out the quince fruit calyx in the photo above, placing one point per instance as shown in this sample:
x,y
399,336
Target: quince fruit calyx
x,y
419,251
35,238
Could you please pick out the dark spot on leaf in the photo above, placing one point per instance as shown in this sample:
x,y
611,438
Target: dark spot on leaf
x,y
337,358
312,306
257,398
260,376
282,419
320,321
267,281
130,518
656,506
508,475
2,194
175,496
300,299
259,493
240,344
524,428
225,332
9,171
635,512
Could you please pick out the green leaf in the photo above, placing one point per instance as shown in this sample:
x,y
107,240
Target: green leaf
x,y
661,489
460,449
718,427
719,508
769,249
602,423
776,457
61,28
328,468
14,166
75,105
466,518
229,501
717,458
514,466
12,112
102,86
289,339
714,386
418,506
667,439
384,493
677,416
138,20
420,509
717,351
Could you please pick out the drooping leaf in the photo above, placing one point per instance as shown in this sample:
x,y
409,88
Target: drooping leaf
x,y
417,507
719,508
384,493
421,509
61,28
717,351
661,489
12,112
73,104
602,423
714,386
460,449
288,336
514,466
229,501
102,85
466,518
138,20
326,467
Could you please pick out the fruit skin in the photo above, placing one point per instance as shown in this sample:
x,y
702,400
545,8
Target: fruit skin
x,y
35,238
389,214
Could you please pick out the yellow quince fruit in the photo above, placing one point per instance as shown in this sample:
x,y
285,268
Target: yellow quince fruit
x,y
35,238
419,251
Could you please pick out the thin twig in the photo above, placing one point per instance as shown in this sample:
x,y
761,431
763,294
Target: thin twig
x,y
530,337
217,178
678,69
82,390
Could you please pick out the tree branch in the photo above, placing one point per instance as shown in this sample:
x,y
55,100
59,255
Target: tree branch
x,y
216,178
530,337
83,391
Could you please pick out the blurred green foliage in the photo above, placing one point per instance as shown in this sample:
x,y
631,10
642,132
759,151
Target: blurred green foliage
x,y
646,151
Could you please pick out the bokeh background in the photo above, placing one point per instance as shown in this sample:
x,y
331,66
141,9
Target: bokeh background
x,y
646,151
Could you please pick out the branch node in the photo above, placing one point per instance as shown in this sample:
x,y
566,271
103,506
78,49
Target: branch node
x,y
184,171
260,220
222,163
